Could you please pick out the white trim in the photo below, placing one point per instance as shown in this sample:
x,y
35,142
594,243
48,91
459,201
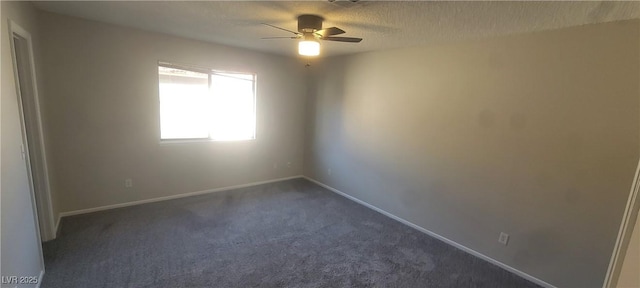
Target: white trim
x,y
15,29
434,235
170,197
44,196
624,233
199,140
57,225
40,278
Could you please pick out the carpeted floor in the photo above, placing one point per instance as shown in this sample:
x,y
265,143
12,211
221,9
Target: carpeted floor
x,y
286,234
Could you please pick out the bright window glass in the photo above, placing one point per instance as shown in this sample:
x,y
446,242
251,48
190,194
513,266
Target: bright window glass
x,y
206,104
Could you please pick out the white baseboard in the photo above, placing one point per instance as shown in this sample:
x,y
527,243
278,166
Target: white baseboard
x,y
57,226
164,198
434,235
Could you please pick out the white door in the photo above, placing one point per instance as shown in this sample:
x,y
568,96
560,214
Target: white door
x,y
33,142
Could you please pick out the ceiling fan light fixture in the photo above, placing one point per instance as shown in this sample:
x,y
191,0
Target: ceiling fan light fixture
x,y
310,33
309,48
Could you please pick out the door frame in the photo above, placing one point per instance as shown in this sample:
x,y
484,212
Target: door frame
x,y
41,197
624,234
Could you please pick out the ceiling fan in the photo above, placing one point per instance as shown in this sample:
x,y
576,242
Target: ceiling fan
x,y
310,31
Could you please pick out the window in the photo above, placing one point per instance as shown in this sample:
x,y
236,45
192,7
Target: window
x,y
206,104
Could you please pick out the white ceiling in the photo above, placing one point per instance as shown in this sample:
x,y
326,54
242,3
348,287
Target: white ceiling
x,y
382,24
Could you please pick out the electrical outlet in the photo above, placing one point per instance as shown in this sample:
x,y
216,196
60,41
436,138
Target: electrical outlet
x,y
128,183
329,172
288,164
275,165
504,238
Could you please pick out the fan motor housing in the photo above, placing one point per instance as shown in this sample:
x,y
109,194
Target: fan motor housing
x,y
309,23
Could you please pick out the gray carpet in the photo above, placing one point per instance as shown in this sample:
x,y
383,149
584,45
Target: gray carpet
x,y
286,234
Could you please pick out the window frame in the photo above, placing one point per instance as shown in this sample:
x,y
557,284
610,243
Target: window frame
x,y
210,72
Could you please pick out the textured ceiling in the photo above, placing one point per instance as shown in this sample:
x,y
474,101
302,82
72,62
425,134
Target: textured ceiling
x,y
382,24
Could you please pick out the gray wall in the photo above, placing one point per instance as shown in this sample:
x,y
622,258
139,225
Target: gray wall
x,y
535,135
103,114
20,242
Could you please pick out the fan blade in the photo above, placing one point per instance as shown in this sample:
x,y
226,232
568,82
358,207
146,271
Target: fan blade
x,y
330,31
342,39
281,28
287,37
